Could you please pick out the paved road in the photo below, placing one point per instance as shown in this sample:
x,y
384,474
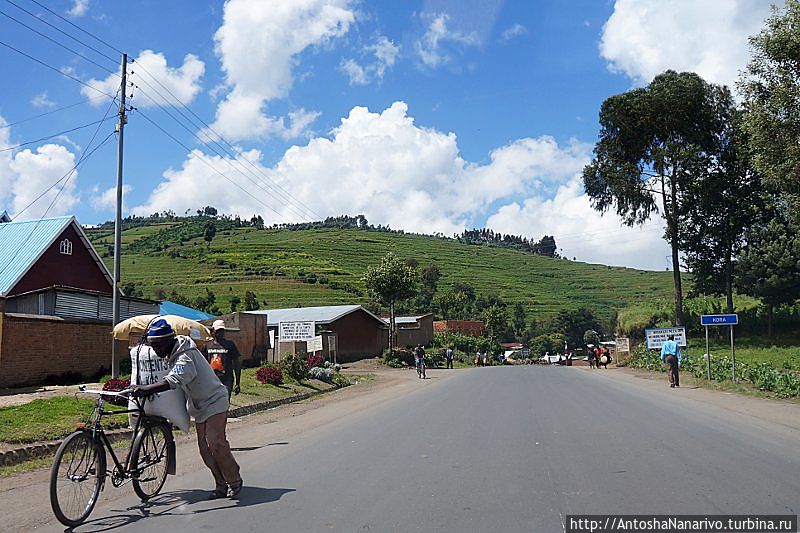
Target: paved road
x,y
493,449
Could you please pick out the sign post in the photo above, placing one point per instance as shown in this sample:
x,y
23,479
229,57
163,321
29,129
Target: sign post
x,y
656,337
721,320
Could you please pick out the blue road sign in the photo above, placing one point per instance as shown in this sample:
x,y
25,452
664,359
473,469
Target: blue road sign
x,y
719,320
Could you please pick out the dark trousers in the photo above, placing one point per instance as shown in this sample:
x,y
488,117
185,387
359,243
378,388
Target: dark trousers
x,y
672,369
449,363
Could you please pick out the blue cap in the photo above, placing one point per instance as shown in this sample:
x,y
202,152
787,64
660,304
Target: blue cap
x,y
160,329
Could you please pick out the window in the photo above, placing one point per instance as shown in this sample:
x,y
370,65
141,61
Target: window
x,y
66,247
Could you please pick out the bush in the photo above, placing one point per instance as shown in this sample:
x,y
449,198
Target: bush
x,y
322,374
270,374
340,381
294,366
314,360
116,385
399,358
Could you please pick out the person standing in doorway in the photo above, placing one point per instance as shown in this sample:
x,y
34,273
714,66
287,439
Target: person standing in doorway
x,y
448,355
671,354
224,358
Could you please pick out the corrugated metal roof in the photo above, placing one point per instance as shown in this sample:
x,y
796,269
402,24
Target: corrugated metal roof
x,y
171,308
407,319
320,315
21,244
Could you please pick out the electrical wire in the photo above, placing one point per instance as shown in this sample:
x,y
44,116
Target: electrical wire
x,y
51,67
229,163
26,143
46,113
288,197
165,132
65,47
34,15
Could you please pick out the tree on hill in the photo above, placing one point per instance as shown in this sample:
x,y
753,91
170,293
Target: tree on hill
x,y
250,301
429,278
720,205
235,302
769,267
457,303
771,89
518,320
653,143
573,324
390,282
495,319
209,232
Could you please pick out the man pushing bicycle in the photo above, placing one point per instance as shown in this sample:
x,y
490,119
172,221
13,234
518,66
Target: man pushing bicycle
x,y
208,402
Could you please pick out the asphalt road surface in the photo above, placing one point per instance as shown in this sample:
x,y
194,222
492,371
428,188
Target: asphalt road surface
x,y
491,449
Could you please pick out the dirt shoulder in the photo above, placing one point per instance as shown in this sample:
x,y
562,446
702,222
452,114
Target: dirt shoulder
x,y
776,411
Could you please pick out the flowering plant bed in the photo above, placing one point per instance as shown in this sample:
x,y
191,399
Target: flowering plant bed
x,y
269,374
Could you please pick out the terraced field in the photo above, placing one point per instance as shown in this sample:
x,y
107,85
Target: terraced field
x,y
275,263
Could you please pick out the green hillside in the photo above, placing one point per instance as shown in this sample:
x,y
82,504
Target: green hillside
x,y
324,266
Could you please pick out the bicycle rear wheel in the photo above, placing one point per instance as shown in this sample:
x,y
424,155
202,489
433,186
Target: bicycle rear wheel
x,y
76,477
149,460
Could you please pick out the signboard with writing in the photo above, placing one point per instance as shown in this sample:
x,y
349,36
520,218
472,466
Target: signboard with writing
x,y
315,344
719,320
656,337
295,331
623,344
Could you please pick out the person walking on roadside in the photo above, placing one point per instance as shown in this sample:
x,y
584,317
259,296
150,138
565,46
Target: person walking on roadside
x,y
671,354
590,355
448,356
207,402
224,358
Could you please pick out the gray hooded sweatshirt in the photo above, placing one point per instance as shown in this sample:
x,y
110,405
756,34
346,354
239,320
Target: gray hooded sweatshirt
x,y
206,395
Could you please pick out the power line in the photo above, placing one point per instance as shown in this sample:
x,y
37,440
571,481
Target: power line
x,y
219,136
165,132
34,15
65,47
20,145
228,161
52,111
51,67
93,36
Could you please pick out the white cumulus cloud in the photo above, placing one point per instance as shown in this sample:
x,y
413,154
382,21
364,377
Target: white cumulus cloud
x,y
517,30
42,100
26,174
642,38
258,44
183,82
107,200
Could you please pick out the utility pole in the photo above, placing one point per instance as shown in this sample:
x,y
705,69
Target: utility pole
x,y
123,119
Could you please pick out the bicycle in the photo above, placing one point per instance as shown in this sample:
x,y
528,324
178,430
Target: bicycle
x,y
421,368
79,469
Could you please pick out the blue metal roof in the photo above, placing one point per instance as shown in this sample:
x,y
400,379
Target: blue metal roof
x,y
21,244
171,308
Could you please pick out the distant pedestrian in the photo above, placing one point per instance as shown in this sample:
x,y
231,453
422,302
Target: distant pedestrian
x,y
590,355
605,357
448,356
671,354
224,358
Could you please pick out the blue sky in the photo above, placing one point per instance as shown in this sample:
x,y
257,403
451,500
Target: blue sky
x,y
429,116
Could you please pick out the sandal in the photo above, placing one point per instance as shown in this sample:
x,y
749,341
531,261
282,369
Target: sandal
x,y
235,488
218,492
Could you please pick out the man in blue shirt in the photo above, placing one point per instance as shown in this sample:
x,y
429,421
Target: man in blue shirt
x,y
671,354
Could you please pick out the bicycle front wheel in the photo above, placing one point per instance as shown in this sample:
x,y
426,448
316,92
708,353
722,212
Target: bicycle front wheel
x,y
149,460
76,477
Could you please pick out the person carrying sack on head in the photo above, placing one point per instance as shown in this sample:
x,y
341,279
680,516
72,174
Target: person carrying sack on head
x,y
671,354
224,358
207,402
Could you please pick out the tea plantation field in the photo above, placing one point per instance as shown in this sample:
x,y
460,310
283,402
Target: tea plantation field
x,y
324,266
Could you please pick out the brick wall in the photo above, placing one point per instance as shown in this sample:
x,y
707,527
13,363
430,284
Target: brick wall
x,y
33,347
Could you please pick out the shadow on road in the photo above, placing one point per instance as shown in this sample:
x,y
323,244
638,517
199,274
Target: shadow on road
x,y
181,503
251,448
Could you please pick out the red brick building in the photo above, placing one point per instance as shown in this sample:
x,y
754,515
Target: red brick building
x,y
55,302
349,332
473,328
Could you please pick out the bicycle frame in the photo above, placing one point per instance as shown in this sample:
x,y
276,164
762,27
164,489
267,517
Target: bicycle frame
x,y
98,434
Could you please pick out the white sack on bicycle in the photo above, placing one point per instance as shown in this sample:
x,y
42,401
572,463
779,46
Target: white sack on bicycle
x,y
151,368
